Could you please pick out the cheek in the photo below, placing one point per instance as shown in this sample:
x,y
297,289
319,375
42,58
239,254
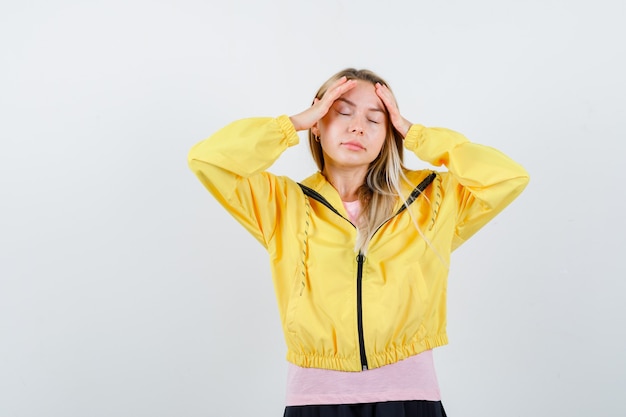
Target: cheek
x,y
379,139
380,129
326,124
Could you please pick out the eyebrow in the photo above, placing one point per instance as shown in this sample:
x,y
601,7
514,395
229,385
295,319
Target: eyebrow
x,y
350,103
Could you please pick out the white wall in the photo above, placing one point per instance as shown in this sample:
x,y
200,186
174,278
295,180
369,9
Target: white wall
x,y
126,291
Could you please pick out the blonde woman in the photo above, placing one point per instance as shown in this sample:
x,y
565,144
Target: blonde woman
x,y
359,251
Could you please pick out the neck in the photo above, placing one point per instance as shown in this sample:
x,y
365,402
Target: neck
x,y
346,181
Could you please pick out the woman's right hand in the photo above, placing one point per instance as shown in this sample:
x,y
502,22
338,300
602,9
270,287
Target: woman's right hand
x,y
308,118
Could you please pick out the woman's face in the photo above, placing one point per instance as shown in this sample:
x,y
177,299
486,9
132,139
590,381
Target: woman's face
x,y
353,131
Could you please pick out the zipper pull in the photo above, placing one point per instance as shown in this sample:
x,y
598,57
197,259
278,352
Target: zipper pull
x,y
360,258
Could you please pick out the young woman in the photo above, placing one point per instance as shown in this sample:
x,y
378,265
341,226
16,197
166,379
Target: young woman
x,y
359,251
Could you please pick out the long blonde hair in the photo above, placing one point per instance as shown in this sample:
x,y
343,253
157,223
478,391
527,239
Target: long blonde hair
x,y
381,188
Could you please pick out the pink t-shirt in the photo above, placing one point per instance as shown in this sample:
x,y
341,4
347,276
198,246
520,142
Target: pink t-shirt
x,y
411,379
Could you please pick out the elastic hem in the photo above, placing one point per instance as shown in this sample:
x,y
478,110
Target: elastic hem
x,y
375,360
351,364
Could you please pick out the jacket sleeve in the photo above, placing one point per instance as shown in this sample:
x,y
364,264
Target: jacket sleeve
x,y
483,180
231,164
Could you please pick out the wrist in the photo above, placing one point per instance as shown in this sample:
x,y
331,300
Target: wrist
x,y
295,122
404,129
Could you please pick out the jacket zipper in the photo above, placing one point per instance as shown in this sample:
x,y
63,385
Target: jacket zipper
x,y
360,258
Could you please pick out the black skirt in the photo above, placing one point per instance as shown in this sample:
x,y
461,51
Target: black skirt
x,y
382,409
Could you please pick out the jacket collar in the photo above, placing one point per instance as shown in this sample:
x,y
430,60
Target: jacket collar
x,y
319,183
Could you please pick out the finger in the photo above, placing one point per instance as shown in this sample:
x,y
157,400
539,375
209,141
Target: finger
x,y
320,106
401,124
338,88
382,94
385,95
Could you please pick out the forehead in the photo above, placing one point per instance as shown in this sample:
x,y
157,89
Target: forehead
x,y
363,95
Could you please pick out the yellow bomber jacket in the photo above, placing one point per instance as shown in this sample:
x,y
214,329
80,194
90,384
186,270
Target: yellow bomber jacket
x,y
339,309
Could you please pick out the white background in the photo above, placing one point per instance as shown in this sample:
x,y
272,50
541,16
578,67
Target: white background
x,y
125,290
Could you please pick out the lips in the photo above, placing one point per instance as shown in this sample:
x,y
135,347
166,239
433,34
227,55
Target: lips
x,y
356,146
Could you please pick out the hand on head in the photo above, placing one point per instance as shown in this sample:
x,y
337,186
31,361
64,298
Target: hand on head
x,y
401,124
308,118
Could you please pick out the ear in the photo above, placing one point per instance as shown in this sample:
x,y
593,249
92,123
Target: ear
x,y
315,129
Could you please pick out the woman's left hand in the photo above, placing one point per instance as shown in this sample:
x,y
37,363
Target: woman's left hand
x,y
401,124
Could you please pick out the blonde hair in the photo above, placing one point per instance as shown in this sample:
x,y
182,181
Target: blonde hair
x,y
381,188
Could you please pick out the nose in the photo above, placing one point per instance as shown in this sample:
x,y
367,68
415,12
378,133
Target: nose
x,y
356,127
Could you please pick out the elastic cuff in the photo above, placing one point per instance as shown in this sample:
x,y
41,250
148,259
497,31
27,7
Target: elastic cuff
x,y
412,136
288,129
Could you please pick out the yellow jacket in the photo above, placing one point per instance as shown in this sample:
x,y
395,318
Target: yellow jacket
x,y
340,310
